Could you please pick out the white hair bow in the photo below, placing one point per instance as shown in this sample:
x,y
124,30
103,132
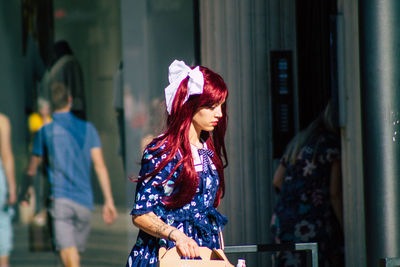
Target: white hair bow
x,y
178,71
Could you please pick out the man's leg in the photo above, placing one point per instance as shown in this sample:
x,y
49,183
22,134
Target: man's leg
x,y
70,257
82,226
63,223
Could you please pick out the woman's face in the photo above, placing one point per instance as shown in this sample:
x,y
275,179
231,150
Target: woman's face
x,y
44,110
206,118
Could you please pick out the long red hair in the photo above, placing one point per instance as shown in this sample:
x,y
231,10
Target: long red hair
x,y
176,137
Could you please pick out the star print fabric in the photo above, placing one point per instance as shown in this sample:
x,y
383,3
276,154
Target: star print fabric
x,y
303,212
197,219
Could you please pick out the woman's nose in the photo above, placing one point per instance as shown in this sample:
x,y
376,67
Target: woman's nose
x,y
218,111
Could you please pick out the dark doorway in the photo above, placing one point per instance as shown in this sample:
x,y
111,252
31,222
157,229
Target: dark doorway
x,y
315,55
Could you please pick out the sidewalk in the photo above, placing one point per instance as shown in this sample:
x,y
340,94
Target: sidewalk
x,y
108,246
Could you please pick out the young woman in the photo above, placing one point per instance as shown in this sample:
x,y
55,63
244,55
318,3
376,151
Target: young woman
x,y
309,207
181,181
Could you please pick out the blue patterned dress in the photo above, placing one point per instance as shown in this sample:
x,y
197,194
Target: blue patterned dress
x,y
304,212
197,219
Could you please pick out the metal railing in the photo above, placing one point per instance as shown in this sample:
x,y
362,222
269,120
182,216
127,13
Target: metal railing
x,y
311,248
389,262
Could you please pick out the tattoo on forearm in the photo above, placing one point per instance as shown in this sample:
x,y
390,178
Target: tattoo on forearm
x,y
157,226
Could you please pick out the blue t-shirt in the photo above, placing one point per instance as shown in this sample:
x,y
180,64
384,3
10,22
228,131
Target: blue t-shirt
x,y
65,146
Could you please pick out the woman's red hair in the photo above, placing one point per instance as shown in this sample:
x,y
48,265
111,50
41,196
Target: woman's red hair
x,y
176,137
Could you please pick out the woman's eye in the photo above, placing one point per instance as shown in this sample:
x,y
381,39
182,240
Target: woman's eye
x,y
214,106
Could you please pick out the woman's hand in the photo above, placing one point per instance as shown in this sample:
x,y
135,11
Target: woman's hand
x,y
186,246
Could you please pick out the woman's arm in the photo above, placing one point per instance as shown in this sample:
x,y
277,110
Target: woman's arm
x,y
279,176
151,224
7,157
335,190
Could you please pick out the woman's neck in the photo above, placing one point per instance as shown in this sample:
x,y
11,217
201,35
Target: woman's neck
x,y
194,136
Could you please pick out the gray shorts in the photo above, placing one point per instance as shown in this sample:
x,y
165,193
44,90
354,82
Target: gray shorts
x,y
71,224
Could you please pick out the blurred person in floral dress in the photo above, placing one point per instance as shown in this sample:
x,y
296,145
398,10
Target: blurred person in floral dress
x,y
309,207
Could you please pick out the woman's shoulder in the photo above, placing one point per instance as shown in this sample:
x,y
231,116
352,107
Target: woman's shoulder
x,y
154,149
3,117
4,121
153,156
157,151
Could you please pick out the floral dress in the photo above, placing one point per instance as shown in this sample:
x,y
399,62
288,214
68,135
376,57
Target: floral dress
x,y
197,219
304,212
